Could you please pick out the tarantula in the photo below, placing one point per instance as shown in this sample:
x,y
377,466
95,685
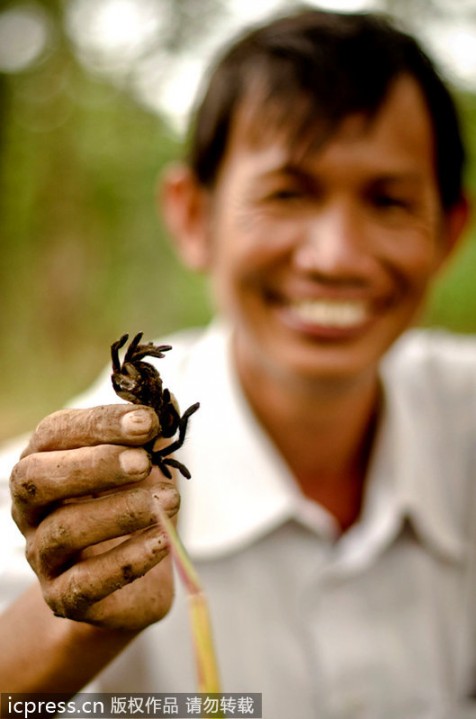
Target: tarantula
x,y
139,382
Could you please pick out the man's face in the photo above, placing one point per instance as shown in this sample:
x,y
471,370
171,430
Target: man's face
x,y
322,260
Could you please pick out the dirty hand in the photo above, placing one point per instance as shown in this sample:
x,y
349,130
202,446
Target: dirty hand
x,y
86,499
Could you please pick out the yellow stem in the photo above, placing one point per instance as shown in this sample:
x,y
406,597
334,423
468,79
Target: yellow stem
x,y
205,657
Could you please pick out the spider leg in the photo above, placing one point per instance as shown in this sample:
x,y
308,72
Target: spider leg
x,y
150,350
160,457
182,430
160,463
115,347
178,465
169,416
129,356
135,351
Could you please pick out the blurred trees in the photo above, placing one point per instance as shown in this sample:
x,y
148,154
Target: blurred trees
x,y
84,257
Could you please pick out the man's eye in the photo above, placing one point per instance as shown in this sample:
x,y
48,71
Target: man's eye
x,y
285,194
387,201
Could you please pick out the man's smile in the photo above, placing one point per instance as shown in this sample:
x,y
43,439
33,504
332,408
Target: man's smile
x,y
331,312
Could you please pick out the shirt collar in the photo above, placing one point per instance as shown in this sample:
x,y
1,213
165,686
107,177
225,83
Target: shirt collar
x,y
405,489
241,489
418,462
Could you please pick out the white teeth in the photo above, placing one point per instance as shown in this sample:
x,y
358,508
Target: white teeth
x,y
331,313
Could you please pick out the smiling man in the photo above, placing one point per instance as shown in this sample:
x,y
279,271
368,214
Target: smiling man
x,y
331,506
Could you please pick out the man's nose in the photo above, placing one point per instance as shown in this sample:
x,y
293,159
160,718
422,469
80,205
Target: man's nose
x,y
334,245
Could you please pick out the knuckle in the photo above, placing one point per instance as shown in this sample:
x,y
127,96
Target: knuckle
x,y
132,510
18,517
22,485
47,429
53,542
77,599
31,553
54,599
67,598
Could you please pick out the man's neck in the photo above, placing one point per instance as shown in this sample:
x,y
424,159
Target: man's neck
x,y
325,435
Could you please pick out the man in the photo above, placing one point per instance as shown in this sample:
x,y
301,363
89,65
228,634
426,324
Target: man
x,y
330,510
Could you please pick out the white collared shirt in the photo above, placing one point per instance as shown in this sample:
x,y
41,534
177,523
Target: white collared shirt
x,y
377,623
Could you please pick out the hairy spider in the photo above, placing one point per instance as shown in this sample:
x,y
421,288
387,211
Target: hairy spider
x,y
139,382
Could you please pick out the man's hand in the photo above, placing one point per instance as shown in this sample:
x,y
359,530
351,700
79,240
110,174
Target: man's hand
x,y
87,501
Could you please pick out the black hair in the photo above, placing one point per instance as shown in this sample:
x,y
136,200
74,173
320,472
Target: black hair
x,y
313,68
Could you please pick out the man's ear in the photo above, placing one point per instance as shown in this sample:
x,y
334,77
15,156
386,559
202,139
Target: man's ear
x,y
456,221
184,204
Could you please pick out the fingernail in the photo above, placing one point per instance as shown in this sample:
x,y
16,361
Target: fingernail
x,y
137,422
134,462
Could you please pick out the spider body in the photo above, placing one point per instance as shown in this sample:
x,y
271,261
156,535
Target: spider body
x,y
139,382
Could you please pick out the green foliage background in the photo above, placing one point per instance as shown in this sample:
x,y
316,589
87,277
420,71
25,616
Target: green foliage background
x,y
84,253
84,256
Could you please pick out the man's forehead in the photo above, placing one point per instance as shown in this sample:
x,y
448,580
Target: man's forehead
x,y
261,123
294,133
284,138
